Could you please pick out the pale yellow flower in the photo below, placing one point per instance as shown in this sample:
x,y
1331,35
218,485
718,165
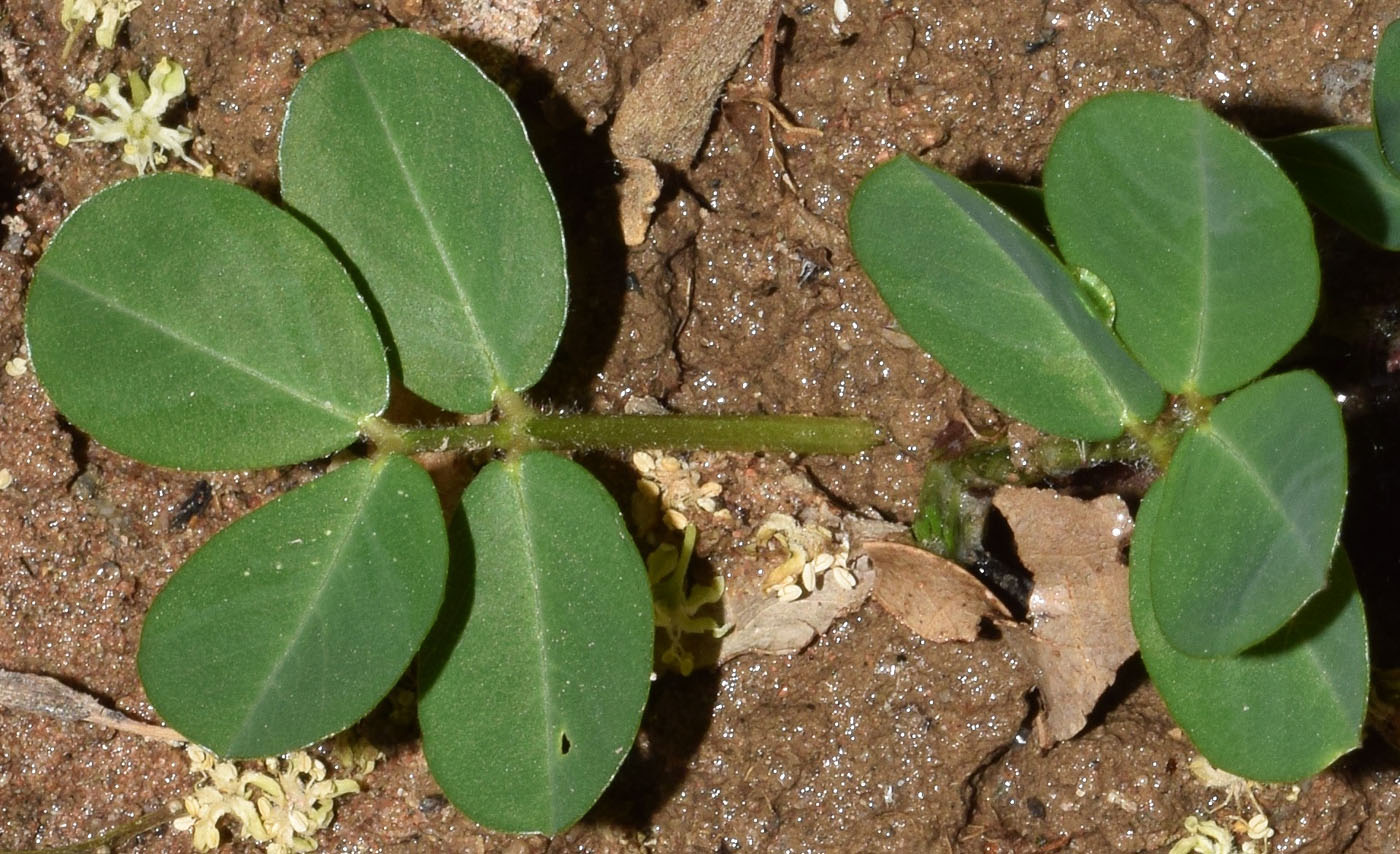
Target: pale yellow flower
x,y
76,14
676,609
136,123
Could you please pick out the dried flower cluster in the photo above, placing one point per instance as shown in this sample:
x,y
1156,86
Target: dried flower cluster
x,y
282,804
1238,835
812,550
667,488
1204,836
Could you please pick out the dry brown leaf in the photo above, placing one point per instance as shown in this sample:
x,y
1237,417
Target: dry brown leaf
x,y
932,595
663,119
768,625
1080,628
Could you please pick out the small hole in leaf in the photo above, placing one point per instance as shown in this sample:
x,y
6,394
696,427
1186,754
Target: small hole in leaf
x,y
564,744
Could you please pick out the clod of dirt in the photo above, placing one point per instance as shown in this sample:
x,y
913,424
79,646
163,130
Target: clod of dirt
x,y
1080,628
641,187
663,119
932,595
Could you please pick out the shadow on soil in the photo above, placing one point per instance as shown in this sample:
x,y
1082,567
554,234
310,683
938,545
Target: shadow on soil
x,y
583,175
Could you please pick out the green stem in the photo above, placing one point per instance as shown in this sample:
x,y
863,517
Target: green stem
x,y
461,437
1049,456
951,516
523,429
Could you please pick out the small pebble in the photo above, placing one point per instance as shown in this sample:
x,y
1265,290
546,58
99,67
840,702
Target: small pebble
x,y
431,804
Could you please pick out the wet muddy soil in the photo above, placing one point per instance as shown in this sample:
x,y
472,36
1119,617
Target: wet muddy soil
x,y
743,297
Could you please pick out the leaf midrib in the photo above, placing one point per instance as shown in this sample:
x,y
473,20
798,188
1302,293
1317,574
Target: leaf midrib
x,y
1256,478
547,705
312,609
1202,278
429,226
351,417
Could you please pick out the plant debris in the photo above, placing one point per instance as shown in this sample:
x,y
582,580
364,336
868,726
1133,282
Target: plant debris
x,y
932,595
775,627
1080,627
665,116
44,695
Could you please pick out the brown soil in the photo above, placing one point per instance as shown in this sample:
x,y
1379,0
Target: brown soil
x,y
744,298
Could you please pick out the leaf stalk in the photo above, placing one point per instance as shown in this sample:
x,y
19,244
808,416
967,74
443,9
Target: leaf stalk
x,y
520,428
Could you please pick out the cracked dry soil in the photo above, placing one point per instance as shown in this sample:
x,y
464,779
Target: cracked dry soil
x,y
744,297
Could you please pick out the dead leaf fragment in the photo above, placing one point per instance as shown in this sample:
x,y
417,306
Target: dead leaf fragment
x,y
768,625
932,595
641,187
664,118
403,10
1080,628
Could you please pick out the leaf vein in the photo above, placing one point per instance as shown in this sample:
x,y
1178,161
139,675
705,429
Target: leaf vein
x,y
430,228
221,358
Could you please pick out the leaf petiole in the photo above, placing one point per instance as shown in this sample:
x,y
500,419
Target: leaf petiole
x,y
520,428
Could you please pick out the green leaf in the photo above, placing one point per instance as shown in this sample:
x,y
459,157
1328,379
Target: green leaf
x,y
940,525
1207,247
290,624
1341,172
533,682
1385,93
419,168
1245,520
1281,711
189,323
990,302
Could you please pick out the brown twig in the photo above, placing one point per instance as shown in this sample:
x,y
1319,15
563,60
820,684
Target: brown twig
x,y
44,695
